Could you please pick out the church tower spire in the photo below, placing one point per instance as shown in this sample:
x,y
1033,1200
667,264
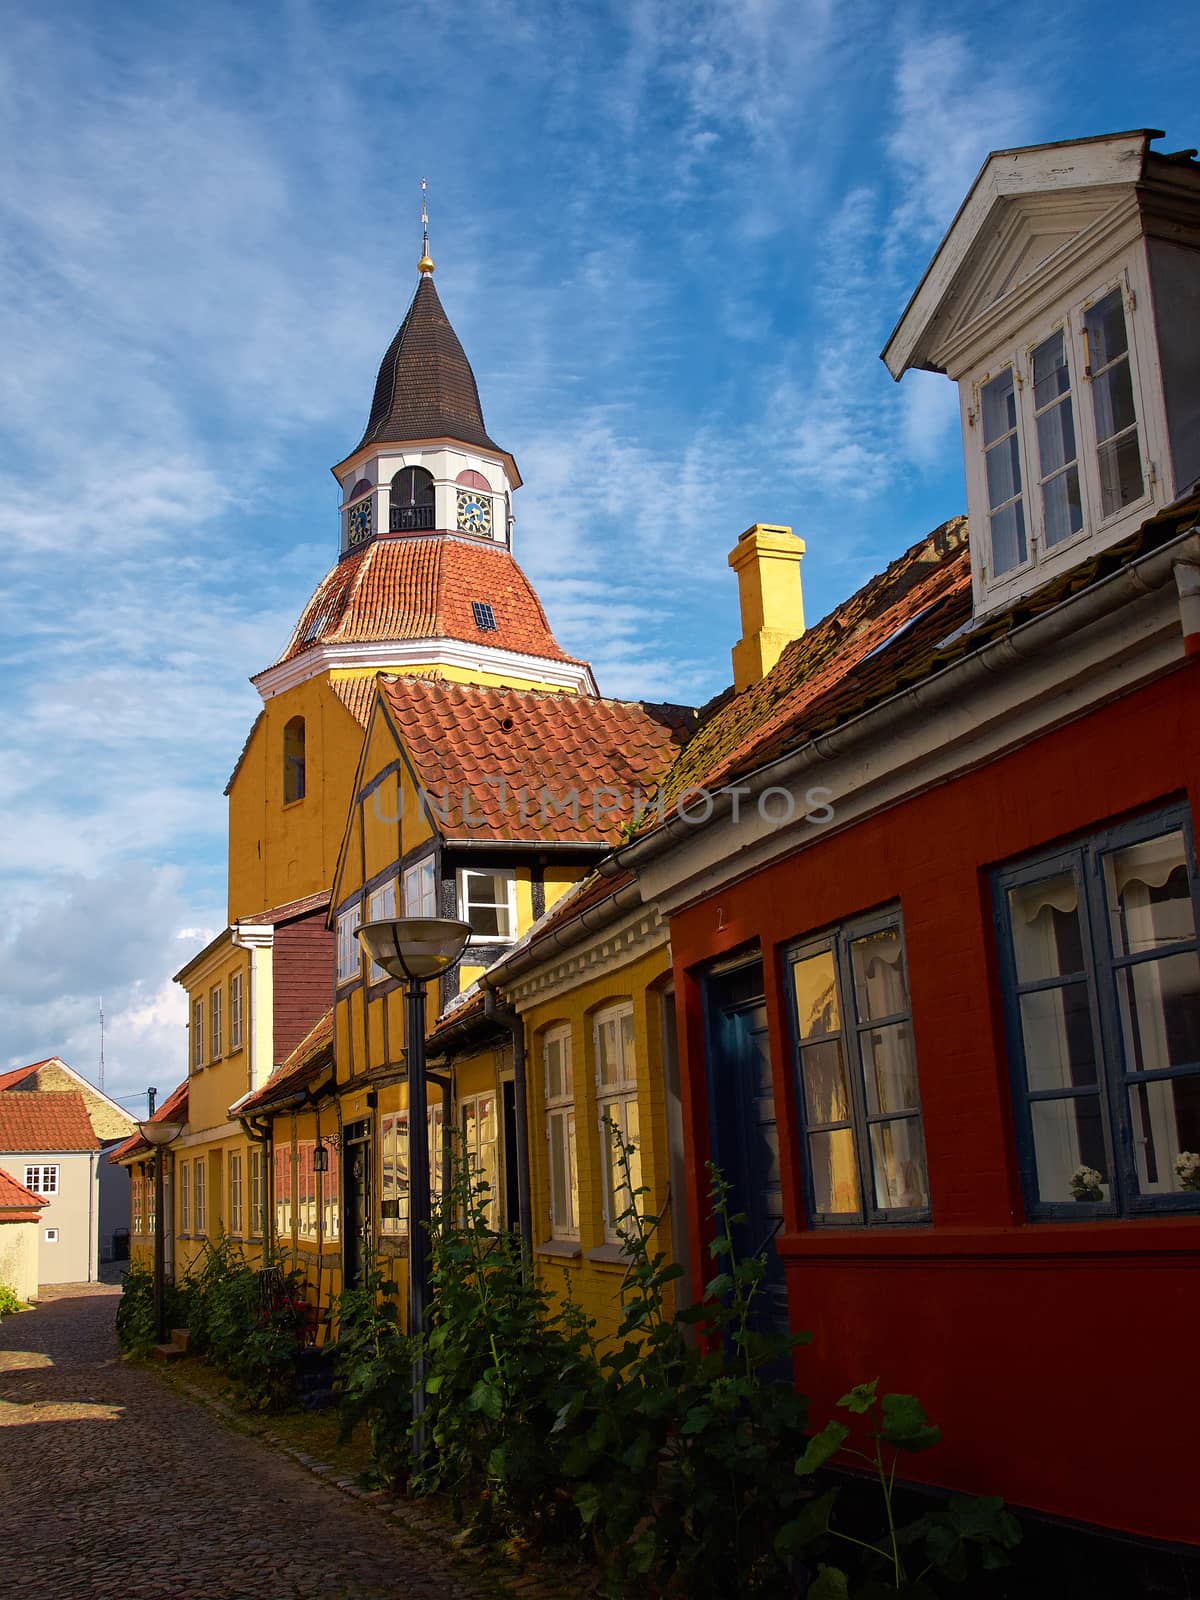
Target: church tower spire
x,y
426,262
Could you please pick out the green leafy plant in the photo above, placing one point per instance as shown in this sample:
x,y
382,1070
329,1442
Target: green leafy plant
x,y
136,1329
501,1364
374,1370
249,1322
8,1301
683,1450
945,1538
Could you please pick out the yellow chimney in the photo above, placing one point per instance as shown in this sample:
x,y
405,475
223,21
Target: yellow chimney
x,y
767,562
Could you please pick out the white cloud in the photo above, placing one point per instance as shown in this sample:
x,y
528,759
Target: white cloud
x,y
952,106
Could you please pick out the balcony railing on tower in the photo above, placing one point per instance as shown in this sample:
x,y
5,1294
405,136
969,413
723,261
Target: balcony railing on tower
x,y
410,519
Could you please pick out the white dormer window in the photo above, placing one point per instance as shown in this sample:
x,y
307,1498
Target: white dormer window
x,y
1062,302
1058,424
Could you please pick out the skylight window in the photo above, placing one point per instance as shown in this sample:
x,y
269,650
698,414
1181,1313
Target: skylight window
x,y
485,617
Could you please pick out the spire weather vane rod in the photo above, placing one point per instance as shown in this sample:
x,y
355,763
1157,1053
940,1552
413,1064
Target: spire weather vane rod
x,y
425,265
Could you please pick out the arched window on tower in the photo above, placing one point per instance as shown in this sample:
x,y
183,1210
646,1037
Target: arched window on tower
x,y
411,500
293,761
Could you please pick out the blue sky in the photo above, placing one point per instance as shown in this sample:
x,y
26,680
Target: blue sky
x,y
672,238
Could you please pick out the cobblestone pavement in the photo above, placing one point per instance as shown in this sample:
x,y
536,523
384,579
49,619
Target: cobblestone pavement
x,y
112,1484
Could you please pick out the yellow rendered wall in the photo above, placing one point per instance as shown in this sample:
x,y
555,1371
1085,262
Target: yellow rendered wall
x,y
279,852
216,1084
595,1275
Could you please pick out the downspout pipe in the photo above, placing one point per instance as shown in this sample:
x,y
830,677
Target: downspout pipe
x,y
509,1019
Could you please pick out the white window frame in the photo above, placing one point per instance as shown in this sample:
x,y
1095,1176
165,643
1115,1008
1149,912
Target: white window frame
x,y
1042,561
198,1033
236,1194
393,1151
469,1111
614,1102
42,1177
420,888
464,875
136,1187
349,951
305,1180
199,1197
381,903
236,1004
257,1195
184,1180
562,1155
284,1181
216,1008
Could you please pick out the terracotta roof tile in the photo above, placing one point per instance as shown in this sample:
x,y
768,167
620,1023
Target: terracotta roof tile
x,y
504,764
425,388
421,586
356,694
311,1056
9,1080
291,909
899,629
16,1198
173,1109
44,1119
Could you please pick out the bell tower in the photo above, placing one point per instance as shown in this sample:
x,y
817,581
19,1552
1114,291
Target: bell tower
x,y
425,462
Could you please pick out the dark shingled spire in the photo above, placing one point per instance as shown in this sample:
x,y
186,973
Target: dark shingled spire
x,y
425,388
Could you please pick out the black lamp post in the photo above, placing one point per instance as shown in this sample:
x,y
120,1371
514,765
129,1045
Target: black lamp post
x,y
159,1135
415,949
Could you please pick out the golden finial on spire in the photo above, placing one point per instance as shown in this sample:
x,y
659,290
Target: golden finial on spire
x,y
426,262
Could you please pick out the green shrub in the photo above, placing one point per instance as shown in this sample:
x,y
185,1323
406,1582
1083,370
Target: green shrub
x,y
249,1323
8,1301
374,1370
501,1366
136,1331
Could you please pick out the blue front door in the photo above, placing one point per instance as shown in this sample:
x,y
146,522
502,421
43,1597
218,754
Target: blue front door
x,y
744,1136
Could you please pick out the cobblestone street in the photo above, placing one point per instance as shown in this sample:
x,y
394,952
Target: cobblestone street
x,y
112,1484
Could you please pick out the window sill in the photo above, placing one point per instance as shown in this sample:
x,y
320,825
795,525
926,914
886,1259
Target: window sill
x,y
290,805
564,1249
609,1255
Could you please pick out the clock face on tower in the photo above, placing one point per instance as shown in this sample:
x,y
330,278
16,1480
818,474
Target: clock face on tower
x,y
358,522
474,511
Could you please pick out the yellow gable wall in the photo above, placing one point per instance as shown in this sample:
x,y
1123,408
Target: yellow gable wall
x,y
281,852
596,1271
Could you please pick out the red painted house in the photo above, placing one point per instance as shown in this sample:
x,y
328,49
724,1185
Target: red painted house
x,y
934,903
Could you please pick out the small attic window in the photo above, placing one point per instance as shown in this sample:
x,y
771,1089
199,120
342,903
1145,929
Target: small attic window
x,y
485,617
293,761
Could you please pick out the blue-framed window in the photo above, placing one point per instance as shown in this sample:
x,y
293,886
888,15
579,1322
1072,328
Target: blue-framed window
x,y
856,1070
1100,966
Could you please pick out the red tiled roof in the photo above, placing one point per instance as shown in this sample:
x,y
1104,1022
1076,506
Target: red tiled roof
x,y
898,630
17,1203
9,1080
864,644
311,1056
173,1109
425,388
356,694
290,910
45,1119
421,586
493,746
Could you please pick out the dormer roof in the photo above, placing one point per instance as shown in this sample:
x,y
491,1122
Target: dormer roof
x,y
425,388
1027,209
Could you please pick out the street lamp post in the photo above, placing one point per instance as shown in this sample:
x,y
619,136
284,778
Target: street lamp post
x,y
159,1135
415,949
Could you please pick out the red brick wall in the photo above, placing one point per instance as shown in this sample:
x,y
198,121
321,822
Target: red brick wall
x,y
303,978
1044,1350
